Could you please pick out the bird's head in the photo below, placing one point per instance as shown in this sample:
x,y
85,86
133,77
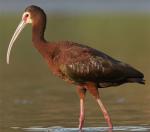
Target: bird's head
x,y
31,15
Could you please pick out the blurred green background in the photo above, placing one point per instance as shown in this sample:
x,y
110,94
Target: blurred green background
x,y
31,96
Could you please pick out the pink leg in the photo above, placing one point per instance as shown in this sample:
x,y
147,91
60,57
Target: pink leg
x,y
81,92
105,113
81,119
94,91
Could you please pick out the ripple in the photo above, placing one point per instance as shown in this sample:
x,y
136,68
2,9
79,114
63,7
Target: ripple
x,y
89,129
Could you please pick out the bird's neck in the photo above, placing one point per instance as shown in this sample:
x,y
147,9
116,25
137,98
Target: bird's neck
x,y
37,34
38,29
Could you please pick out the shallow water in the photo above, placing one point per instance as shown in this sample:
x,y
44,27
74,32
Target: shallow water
x,y
32,99
90,129
30,102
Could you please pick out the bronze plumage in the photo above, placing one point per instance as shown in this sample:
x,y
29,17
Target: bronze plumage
x,y
87,68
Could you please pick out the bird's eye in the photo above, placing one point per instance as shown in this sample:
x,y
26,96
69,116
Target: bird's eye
x,y
27,15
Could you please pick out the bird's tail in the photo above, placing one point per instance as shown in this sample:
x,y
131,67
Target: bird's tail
x,y
136,80
134,75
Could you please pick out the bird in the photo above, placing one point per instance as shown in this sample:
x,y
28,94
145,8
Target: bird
x,y
87,68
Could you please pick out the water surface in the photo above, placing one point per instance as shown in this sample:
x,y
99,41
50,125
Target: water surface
x,y
91,129
32,99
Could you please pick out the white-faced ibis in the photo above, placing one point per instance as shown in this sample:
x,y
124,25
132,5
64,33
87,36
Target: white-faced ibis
x,y
87,68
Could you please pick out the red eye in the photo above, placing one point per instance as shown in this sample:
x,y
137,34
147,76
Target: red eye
x,y
25,17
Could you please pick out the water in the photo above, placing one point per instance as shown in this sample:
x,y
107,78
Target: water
x,y
32,99
90,129
43,109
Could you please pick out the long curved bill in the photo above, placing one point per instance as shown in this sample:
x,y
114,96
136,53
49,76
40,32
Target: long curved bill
x,y
14,37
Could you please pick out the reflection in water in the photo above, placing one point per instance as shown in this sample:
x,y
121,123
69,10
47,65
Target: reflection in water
x,y
90,129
